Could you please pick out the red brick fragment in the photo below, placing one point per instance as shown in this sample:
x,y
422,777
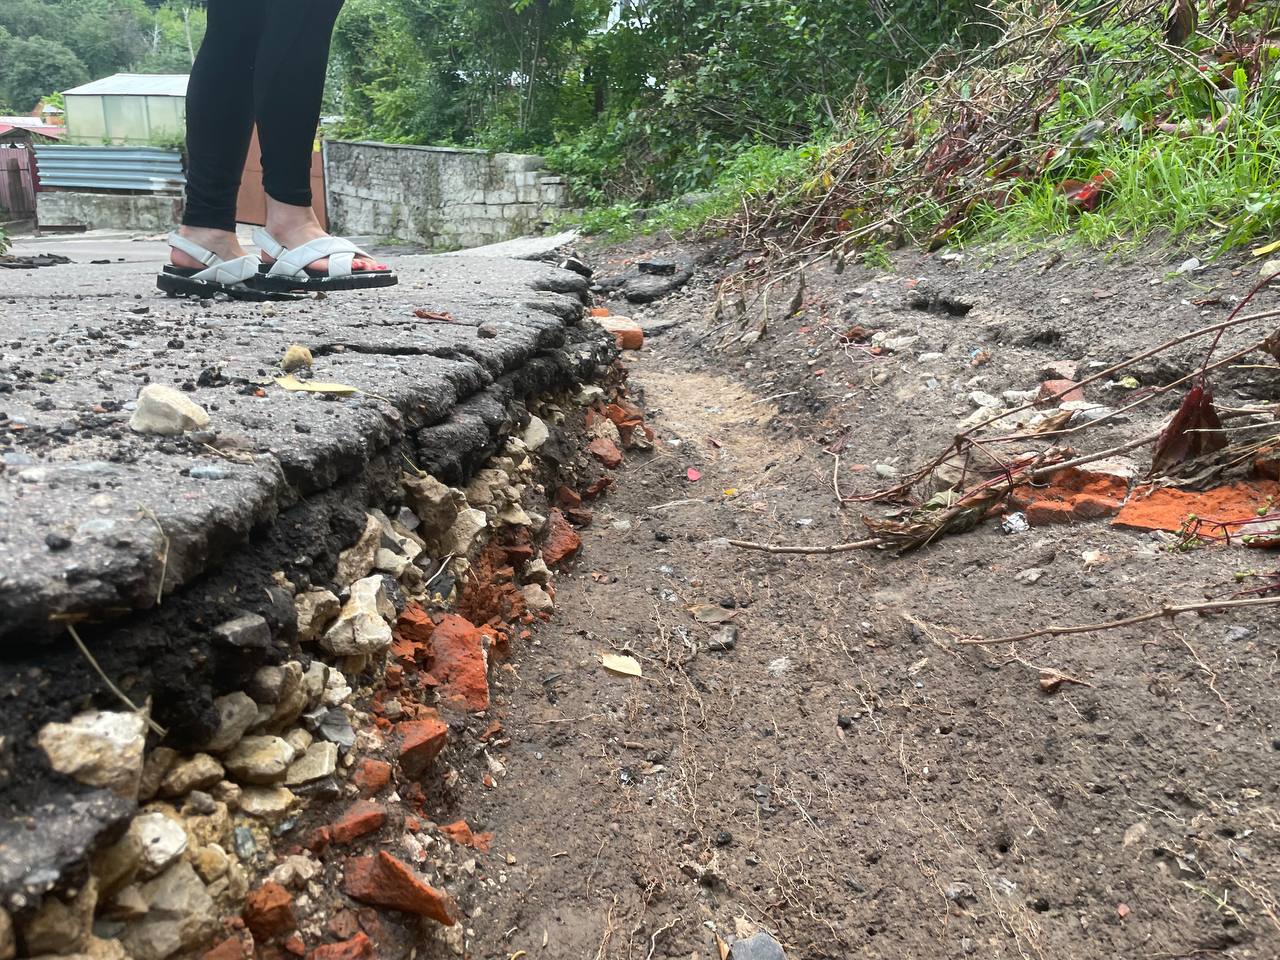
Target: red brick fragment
x,y
461,663
1073,495
228,949
371,776
295,946
463,835
268,911
566,497
384,881
362,818
579,516
1069,389
562,542
606,452
1168,509
358,947
626,333
411,638
421,742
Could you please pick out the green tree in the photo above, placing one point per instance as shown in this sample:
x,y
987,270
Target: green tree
x,y
30,68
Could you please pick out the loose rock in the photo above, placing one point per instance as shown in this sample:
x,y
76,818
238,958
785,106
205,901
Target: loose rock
x,y
357,561
271,804
362,627
162,841
166,411
260,759
100,748
199,773
268,912
316,609
236,714
60,926
180,915
319,761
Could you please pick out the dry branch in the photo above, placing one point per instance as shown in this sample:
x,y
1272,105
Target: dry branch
x,y
1169,610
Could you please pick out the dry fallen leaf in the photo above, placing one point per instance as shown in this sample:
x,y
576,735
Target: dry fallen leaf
x,y
619,663
316,386
710,613
722,947
1093,558
434,315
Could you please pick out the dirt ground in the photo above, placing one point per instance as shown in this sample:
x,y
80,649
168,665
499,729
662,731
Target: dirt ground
x,y
842,773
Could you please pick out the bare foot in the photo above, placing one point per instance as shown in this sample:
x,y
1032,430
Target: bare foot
x,y
293,226
221,242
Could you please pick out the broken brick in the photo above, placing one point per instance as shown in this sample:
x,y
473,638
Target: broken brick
x,y
579,516
420,743
268,911
1169,508
567,497
606,452
359,947
371,776
228,949
1073,495
1069,389
623,412
562,542
461,663
295,946
463,835
362,818
411,638
384,881
626,333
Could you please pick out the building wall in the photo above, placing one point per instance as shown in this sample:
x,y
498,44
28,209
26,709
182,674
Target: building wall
x,y
443,197
148,213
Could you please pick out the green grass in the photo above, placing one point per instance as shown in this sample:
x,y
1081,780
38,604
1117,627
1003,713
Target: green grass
x,y
1203,185
753,172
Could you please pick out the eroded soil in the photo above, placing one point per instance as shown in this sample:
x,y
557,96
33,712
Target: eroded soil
x,y
845,774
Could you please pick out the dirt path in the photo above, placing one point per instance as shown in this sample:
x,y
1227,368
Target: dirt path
x,y
842,774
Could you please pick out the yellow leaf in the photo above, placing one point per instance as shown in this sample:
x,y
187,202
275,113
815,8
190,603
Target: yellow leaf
x,y
617,663
1269,248
315,386
730,491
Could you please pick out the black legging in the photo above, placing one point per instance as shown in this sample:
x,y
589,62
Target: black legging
x,y
263,60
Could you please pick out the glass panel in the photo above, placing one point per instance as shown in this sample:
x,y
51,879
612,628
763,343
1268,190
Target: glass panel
x,y
85,122
166,119
126,119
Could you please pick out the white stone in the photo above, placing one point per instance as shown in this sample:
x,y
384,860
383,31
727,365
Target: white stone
x,y
982,399
537,599
271,804
259,759
237,712
336,689
166,411
163,840
463,535
100,748
389,561
536,433
362,626
356,562
299,739
199,773
536,571
590,394
180,915
320,761
316,609
315,680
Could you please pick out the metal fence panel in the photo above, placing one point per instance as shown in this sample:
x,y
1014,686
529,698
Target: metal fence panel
x,y
110,168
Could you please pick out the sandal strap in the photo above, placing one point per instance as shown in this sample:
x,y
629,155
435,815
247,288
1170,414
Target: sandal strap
x,y
230,272
267,243
193,249
341,254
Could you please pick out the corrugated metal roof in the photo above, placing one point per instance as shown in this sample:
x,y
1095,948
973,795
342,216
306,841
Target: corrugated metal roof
x,y
52,132
110,168
133,85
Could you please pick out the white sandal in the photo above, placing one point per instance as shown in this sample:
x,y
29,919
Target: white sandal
x,y
236,278
291,269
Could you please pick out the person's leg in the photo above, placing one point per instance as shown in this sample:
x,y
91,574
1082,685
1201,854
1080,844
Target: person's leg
x,y
220,125
288,90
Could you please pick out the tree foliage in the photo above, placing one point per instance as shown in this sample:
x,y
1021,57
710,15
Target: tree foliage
x,y
634,97
50,45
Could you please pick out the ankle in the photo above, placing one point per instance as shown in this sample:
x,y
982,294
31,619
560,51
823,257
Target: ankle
x,y
286,217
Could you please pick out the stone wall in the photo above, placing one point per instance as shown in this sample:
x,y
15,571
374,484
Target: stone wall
x,y
148,213
444,197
